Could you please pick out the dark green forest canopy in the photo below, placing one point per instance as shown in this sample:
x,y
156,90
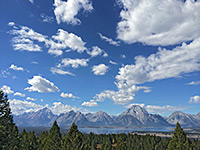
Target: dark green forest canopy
x,y
11,139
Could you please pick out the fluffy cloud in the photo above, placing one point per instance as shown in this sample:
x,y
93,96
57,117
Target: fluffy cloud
x,y
27,40
194,83
163,64
13,67
11,23
41,85
20,107
91,103
109,40
6,89
135,104
164,109
19,94
46,18
195,99
75,63
30,99
159,22
125,94
31,1
60,71
97,51
66,11
100,69
59,108
67,95
63,40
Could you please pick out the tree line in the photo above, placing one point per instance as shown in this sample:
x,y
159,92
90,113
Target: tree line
x,y
11,139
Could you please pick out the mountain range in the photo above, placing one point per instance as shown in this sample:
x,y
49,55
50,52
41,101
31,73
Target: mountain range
x,y
135,116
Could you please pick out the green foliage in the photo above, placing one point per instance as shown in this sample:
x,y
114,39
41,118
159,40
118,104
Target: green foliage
x,y
179,140
54,138
120,144
73,140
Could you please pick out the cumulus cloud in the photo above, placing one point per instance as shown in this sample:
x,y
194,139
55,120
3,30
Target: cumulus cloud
x,y
68,95
194,83
64,39
11,23
14,67
41,85
67,11
31,1
109,40
59,108
100,69
74,63
135,104
46,18
26,39
60,71
97,51
30,99
19,94
164,109
159,22
125,94
163,64
19,107
6,89
195,99
91,103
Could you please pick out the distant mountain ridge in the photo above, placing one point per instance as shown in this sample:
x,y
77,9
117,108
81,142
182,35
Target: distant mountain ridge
x,y
135,116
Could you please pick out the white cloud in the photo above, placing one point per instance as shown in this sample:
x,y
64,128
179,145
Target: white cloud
x,y
59,108
164,109
31,1
68,11
30,99
46,18
100,69
55,52
68,95
195,99
13,67
64,39
41,85
194,83
163,64
109,40
20,107
159,22
112,62
60,71
91,103
19,94
75,63
25,37
11,23
123,56
135,104
6,89
97,51
125,94
27,40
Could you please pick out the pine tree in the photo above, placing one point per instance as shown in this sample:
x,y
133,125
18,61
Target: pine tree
x,y
179,140
54,138
73,140
120,144
6,123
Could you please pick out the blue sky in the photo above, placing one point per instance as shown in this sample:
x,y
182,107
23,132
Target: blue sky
x,y
87,55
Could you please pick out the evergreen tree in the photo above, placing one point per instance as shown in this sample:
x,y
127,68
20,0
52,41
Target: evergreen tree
x,y
73,140
6,124
179,140
120,144
54,138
